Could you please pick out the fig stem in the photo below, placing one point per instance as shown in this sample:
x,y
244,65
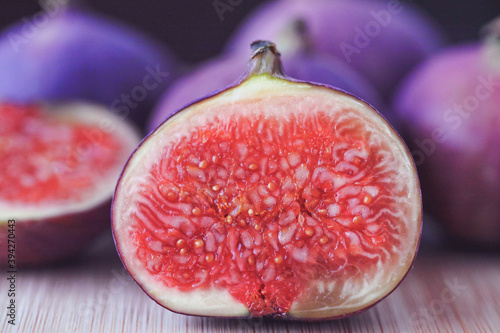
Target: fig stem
x,y
491,31
294,38
302,33
64,5
265,60
491,39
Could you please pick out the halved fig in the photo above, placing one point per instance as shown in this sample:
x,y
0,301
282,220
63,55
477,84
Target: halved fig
x,y
274,197
60,165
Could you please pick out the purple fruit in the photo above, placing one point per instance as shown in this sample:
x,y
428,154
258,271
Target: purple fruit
x,y
219,73
274,197
450,109
75,54
382,40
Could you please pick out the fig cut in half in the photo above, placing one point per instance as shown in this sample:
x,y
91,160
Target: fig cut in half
x,y
273,197
60,165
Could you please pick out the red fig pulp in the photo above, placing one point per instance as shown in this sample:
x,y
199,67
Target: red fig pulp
x,y
273,197
449,108
58,172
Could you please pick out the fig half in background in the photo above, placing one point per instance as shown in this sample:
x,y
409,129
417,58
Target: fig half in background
x,y
450,109
273,197
60,165
382,40
302,64
67,53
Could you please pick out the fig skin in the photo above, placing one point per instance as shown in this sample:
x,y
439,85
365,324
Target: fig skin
x,y
42,242
449,109
217,74
122,190
401,35
79,55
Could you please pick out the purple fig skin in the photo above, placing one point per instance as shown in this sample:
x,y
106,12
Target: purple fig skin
x,y
449,108
217,74
51,240
77,55
382,40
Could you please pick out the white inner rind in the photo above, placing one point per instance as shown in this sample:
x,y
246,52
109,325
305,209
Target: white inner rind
x,y
356,294
103,120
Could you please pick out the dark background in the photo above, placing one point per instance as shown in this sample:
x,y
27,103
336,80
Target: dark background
x,y
194,32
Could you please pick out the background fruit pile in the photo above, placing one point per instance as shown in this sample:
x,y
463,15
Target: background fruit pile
x,y
146,59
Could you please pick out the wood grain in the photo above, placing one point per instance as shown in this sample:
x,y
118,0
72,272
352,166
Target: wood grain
x,y
445,292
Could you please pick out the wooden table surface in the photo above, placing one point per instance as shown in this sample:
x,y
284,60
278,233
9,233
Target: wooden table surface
x,y
445,292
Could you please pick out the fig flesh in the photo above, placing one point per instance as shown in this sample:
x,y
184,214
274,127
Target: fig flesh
x,y
273,197
59,169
